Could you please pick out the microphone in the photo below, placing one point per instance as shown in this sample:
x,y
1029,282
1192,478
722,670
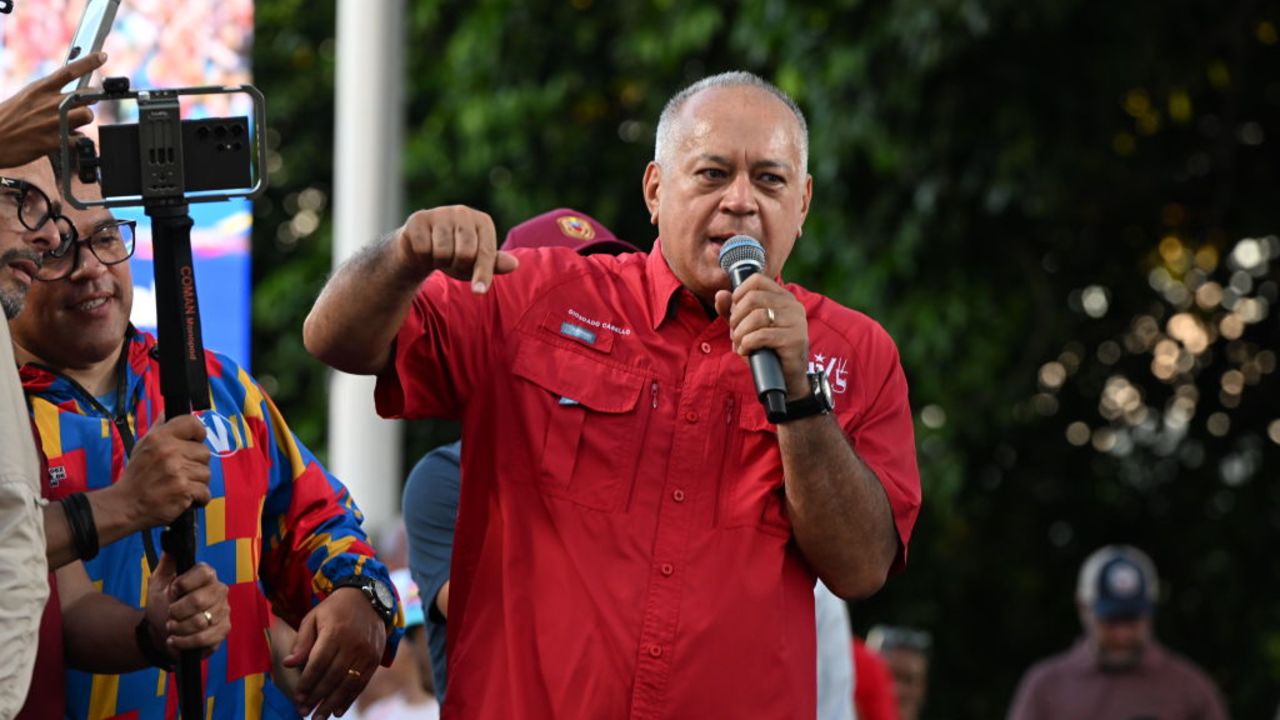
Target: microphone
x,y
741,257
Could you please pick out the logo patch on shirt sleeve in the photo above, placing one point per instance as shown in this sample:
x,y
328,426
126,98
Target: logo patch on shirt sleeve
x,y
836,368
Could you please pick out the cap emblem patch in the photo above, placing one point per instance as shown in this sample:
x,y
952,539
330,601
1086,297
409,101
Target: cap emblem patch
x,y
1123,581
576,227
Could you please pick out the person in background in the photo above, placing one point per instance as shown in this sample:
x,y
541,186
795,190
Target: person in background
x,y
873,695
836,675
1118,669
905,653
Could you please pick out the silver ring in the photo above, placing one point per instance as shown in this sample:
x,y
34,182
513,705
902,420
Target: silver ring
x,y
208,619
773,319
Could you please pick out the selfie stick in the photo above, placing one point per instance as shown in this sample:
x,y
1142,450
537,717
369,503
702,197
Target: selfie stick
x,y
184,379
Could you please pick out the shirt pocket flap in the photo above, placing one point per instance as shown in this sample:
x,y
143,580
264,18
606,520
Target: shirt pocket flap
x,y
584,333
752,416
577,379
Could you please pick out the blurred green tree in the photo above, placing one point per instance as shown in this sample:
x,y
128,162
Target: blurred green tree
x,y
1045,202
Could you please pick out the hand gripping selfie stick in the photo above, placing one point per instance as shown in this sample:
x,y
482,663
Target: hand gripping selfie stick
x,y
162,163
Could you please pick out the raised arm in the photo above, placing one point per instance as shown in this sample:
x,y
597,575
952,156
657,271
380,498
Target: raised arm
x,y
354,321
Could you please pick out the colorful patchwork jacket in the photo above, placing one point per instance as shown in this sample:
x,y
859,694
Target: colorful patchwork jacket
x,y
279,531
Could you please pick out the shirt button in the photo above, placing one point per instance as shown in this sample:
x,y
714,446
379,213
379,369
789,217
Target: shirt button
x,y
678,496
691,416
705,347
655,651
667,569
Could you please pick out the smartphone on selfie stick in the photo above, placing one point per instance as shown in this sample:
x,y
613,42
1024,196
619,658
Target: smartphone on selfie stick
x,y
91,33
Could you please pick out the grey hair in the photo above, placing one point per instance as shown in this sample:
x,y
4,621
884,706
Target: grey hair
x,y
662,145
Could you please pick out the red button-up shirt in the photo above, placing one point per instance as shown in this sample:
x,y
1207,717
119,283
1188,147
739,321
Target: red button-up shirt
x,y
622,547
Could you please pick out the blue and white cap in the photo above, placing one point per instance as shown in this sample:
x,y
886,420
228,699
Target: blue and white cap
x,y
1118,582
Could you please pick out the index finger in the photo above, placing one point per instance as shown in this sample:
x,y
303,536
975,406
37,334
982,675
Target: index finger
x,y
315,683
197,577
186,427
486,255
73,70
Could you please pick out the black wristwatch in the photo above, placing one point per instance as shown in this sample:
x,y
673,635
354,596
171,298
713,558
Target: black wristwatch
x,y
379,595
817,402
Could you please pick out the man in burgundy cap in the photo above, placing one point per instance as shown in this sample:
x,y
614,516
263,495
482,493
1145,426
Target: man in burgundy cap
x,y
431,493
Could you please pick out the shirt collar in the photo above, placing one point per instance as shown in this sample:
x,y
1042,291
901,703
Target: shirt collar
x,y
663,285
1081,657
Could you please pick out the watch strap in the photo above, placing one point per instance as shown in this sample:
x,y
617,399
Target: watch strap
x,y
365,584
815,403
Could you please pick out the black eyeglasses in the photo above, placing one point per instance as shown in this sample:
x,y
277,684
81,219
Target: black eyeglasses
x,y
111,243
34,208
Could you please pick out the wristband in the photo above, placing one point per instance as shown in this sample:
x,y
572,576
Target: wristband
x,y
84,531
154,656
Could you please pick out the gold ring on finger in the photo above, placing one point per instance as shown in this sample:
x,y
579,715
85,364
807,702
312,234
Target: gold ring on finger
x,y
773,318
208,619
353,673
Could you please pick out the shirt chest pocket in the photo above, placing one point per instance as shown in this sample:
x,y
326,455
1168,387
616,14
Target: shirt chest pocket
x,y
751,491
582,423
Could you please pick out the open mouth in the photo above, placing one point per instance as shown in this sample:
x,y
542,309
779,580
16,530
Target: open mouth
x,y
92,303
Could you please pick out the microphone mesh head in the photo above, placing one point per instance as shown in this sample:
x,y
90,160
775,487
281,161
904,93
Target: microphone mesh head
x,y
741,248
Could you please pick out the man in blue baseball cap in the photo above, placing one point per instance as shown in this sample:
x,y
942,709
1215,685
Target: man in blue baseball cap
x,y
1118,669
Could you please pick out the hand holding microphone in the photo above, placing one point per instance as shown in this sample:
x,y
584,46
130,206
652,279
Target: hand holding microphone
x,y
768,326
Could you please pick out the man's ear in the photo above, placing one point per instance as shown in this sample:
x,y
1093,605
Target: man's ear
x,y
808,196
652,186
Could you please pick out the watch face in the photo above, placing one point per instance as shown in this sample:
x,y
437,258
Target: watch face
x,y
824,386
383,595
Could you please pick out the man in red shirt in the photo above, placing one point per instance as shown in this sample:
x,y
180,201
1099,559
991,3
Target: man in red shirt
x,y
635,538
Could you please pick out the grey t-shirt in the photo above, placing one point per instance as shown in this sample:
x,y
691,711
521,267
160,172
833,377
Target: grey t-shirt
x,y
430,513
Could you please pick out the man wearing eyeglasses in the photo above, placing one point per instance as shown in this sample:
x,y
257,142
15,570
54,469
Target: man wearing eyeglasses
x,y
23,589
31,230
278,528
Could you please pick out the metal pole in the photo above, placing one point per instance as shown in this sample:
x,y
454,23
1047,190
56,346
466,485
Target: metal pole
x,y
364,450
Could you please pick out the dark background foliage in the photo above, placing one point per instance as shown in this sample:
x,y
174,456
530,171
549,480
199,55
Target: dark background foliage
x,y
1052,205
